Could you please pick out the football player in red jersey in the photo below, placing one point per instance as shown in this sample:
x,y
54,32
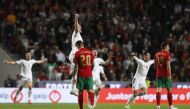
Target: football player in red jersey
x,y
163,74
83,68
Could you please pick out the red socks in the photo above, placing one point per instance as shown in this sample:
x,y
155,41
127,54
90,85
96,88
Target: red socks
x,y
158,96
91,96
170,98
80,100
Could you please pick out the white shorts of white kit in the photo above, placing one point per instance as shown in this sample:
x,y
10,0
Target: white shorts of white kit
x,y
97,83
138,84
23,81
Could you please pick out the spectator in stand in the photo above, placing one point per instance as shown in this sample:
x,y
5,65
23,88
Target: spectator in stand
x,y
140,24
50,67
42,76
9,82
59,55
59,70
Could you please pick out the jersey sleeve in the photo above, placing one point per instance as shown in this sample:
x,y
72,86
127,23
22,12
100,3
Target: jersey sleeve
x,y
138,60
151,62
101,70
33,61
19,62
101,61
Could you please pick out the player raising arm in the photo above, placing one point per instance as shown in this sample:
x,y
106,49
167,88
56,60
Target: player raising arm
x,y
76,36
26,73
83,69
140,77
97,70
163,74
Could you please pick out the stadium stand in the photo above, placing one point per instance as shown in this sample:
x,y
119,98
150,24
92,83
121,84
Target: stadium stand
x,y
45,25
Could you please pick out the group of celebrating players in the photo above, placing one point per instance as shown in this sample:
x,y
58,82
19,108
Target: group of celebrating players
x,y
86,69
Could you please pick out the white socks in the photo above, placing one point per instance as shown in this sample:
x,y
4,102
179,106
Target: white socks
x,y
96,97
131,99
29,94
73,87
158,107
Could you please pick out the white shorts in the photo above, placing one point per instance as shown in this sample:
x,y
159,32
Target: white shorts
x,y
97,83
138,84
71,57
23,81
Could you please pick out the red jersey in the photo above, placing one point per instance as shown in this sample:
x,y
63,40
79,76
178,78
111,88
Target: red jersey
x,y
84,59
161,58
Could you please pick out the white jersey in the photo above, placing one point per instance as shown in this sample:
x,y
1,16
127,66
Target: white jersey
x,y
97,69
75,37
26,67
142,68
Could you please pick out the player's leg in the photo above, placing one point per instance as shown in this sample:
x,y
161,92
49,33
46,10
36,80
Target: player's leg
x,y
17,93
97,89
135,87
94,88
29,91
89,87
168,84
131,99
159,85
20,87
96,96
80,99
80,86
143,91
143,88
74,90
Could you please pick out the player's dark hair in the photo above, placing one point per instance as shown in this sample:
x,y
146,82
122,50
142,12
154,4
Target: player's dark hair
x,y
164,45
79,43
27,51
145,53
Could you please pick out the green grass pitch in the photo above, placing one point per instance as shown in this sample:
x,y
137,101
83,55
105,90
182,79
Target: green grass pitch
x,y
75,106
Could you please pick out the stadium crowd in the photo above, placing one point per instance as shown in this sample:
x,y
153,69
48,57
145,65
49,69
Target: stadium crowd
x,y
122,26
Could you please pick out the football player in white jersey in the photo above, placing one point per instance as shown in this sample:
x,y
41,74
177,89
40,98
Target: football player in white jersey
x,y
26,73
97,70
138,82
76,36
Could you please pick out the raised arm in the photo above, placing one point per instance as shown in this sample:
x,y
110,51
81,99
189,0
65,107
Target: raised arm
x,y
76,23
41,61
151,62
110,55
103,74
9,62
136,59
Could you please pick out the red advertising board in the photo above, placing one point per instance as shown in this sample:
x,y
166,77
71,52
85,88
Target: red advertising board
x,y
121,95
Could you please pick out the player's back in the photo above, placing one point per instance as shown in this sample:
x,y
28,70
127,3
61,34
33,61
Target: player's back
x,y
97,69
84,59
98,61
161,58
